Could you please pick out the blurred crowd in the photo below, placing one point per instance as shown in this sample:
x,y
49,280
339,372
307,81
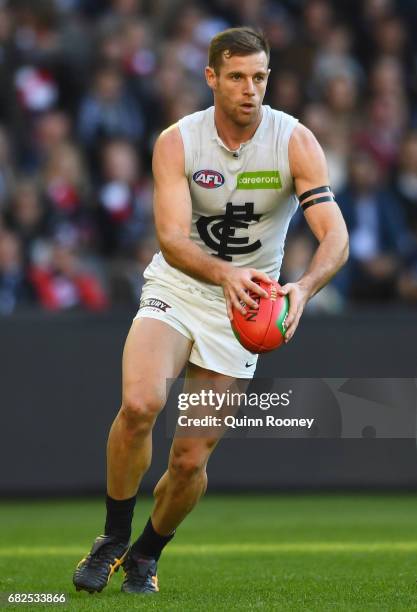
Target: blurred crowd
x,y
87,85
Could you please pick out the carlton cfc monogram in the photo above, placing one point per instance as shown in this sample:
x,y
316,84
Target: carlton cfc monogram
x,y
218,231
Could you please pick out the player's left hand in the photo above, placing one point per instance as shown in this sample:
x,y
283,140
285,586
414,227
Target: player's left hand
x,y
298,297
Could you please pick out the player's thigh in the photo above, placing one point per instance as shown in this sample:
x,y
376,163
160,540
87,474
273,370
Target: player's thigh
x,y
154,352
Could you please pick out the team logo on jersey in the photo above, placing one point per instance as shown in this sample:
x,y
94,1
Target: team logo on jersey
x,y
154,304
209,179
263,179
218,232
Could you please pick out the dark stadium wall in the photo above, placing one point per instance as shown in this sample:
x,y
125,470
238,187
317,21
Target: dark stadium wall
x,y
60,389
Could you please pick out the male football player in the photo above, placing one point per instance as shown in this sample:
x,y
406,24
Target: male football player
x,y
227,182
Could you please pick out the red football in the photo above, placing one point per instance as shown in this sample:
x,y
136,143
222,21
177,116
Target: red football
x,y
261,330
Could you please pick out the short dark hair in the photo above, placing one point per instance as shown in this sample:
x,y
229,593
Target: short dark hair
x,y
236,41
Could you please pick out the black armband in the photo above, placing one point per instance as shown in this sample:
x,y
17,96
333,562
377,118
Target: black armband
x,y
307,194
328,198
314,191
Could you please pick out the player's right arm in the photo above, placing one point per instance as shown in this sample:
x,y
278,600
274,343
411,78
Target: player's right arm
x,y
173,214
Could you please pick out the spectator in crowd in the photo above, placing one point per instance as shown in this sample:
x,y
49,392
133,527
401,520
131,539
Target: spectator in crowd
x,y
405,180
63,281
110,40
14,287
126,8
66,191
380,241
51,129
139,57
281,31
7,171
125,275
383,130
387,78
341,98
337,148
334,58
370,14
170,80
317,18
124,199
185,42
47,72
108,110
391,39
27,218
287,92
374,10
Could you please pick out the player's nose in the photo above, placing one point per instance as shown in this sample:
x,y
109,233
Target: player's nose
x,y
249,87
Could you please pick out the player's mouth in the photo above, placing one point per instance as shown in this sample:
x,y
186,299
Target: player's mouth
x,y
247,107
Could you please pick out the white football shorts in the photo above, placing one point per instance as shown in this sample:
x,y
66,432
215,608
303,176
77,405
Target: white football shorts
x,y
204,321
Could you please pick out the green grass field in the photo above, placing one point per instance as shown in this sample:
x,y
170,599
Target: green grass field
x,y
301,552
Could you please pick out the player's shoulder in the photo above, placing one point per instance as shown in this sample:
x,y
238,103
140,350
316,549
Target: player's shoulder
x,y
303,141
278,116
304,151
168,151
172,137
197,119
303,135
278,126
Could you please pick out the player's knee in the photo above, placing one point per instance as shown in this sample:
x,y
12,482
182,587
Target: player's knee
x,y
139,410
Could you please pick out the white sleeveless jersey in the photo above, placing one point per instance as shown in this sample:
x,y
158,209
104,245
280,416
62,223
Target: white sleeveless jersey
x,y
242,201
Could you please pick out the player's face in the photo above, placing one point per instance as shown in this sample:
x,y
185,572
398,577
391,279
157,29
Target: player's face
x,y
239,87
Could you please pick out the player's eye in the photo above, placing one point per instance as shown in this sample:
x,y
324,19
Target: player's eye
x,y
235,77
259,78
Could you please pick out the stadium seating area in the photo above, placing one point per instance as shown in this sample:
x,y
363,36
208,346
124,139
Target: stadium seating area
x,y
87,85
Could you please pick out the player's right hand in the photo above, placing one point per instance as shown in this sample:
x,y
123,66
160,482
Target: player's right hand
x,y
237,283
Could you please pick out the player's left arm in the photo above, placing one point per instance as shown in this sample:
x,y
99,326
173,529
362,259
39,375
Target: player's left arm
x,y
309,170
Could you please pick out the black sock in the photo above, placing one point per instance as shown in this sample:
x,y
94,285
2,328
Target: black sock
x,y
150,543
119,517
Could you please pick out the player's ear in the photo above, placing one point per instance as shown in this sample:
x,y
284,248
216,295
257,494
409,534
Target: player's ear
x,y
210,77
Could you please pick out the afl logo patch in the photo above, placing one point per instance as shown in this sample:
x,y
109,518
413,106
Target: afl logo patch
x,y
209,179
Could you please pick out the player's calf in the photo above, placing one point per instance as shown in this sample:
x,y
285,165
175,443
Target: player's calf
x,y
129,448
187,477
188,460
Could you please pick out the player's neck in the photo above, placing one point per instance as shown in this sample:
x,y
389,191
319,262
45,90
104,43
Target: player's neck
x,y
232,134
